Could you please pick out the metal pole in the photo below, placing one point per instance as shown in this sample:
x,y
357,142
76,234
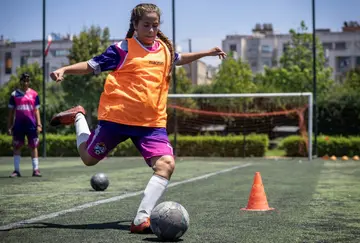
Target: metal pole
x,y
244,130
314,78
174,76
44,83
190,65
310,126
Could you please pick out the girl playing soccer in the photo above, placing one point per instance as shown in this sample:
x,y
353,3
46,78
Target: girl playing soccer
x,y
133,103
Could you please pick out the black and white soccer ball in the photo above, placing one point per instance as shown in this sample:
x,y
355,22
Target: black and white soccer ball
x,y
169,221
99,182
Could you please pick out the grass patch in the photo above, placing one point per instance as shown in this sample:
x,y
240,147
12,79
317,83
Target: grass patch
x,y
315,201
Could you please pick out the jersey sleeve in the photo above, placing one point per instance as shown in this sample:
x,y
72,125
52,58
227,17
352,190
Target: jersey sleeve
x,y
177,58
12,104
37,102
107,61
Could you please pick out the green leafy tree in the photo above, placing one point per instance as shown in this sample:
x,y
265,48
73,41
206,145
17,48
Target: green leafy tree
x,y
234,76
183,86
183,83
352,80
86,89
296,71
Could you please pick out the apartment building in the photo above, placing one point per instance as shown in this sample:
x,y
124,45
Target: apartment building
x,y
16,54
265,47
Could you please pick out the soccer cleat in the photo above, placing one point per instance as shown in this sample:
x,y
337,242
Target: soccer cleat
x,y
15,174
36,173
67,117
143,228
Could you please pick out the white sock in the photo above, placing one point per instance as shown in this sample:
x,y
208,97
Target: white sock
x,y
82,129
17,162
153,192
35,163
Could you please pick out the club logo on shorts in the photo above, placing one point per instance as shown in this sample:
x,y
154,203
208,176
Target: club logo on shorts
x,y
99,148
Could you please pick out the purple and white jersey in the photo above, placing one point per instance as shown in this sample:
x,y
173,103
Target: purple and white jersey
x,y
114,56
24,105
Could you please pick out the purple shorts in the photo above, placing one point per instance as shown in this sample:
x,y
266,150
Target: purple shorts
x,y
19,138
150,141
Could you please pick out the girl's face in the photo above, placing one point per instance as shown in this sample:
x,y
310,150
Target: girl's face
x,y
147,28
24,84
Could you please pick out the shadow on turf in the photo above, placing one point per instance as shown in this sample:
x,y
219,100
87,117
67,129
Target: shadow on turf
x,y
110,225
155,239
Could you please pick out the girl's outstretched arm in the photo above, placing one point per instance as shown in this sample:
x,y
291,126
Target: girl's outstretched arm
x,y
193,56
77,68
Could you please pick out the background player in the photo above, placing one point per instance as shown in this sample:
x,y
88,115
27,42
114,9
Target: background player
x,y
24,120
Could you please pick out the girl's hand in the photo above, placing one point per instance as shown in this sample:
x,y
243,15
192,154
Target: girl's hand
x,y
57,75
216,51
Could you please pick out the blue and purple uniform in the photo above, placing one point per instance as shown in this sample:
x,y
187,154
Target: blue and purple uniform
x,y
129,106
25,105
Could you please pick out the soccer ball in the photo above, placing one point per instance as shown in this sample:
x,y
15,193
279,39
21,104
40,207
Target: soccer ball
x,y
99,182
169,220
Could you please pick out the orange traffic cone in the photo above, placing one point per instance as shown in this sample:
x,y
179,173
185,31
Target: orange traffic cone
x,y
257,199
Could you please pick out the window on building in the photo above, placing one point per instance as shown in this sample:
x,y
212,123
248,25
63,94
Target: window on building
x,y
267,62
24,55
266,49
233,47
60,52
358,61
23,60
36,53
8,63
343,64
340,45
327,46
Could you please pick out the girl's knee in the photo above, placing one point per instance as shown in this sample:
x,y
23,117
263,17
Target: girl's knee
x,y
88,160
164,165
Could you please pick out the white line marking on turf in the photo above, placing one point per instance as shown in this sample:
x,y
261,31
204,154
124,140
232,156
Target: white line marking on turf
x,y
89,193
112,199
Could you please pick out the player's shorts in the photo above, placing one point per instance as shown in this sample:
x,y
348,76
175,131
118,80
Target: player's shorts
x,y
150,141
19,138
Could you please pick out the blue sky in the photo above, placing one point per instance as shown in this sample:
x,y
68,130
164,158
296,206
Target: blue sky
x,y
206,22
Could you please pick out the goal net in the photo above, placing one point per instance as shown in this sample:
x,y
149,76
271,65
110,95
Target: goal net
x,y
232,124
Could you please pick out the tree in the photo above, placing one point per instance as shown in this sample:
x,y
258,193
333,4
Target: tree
x,y
183,86
352,80
183,83
295,73
86,89
234,76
